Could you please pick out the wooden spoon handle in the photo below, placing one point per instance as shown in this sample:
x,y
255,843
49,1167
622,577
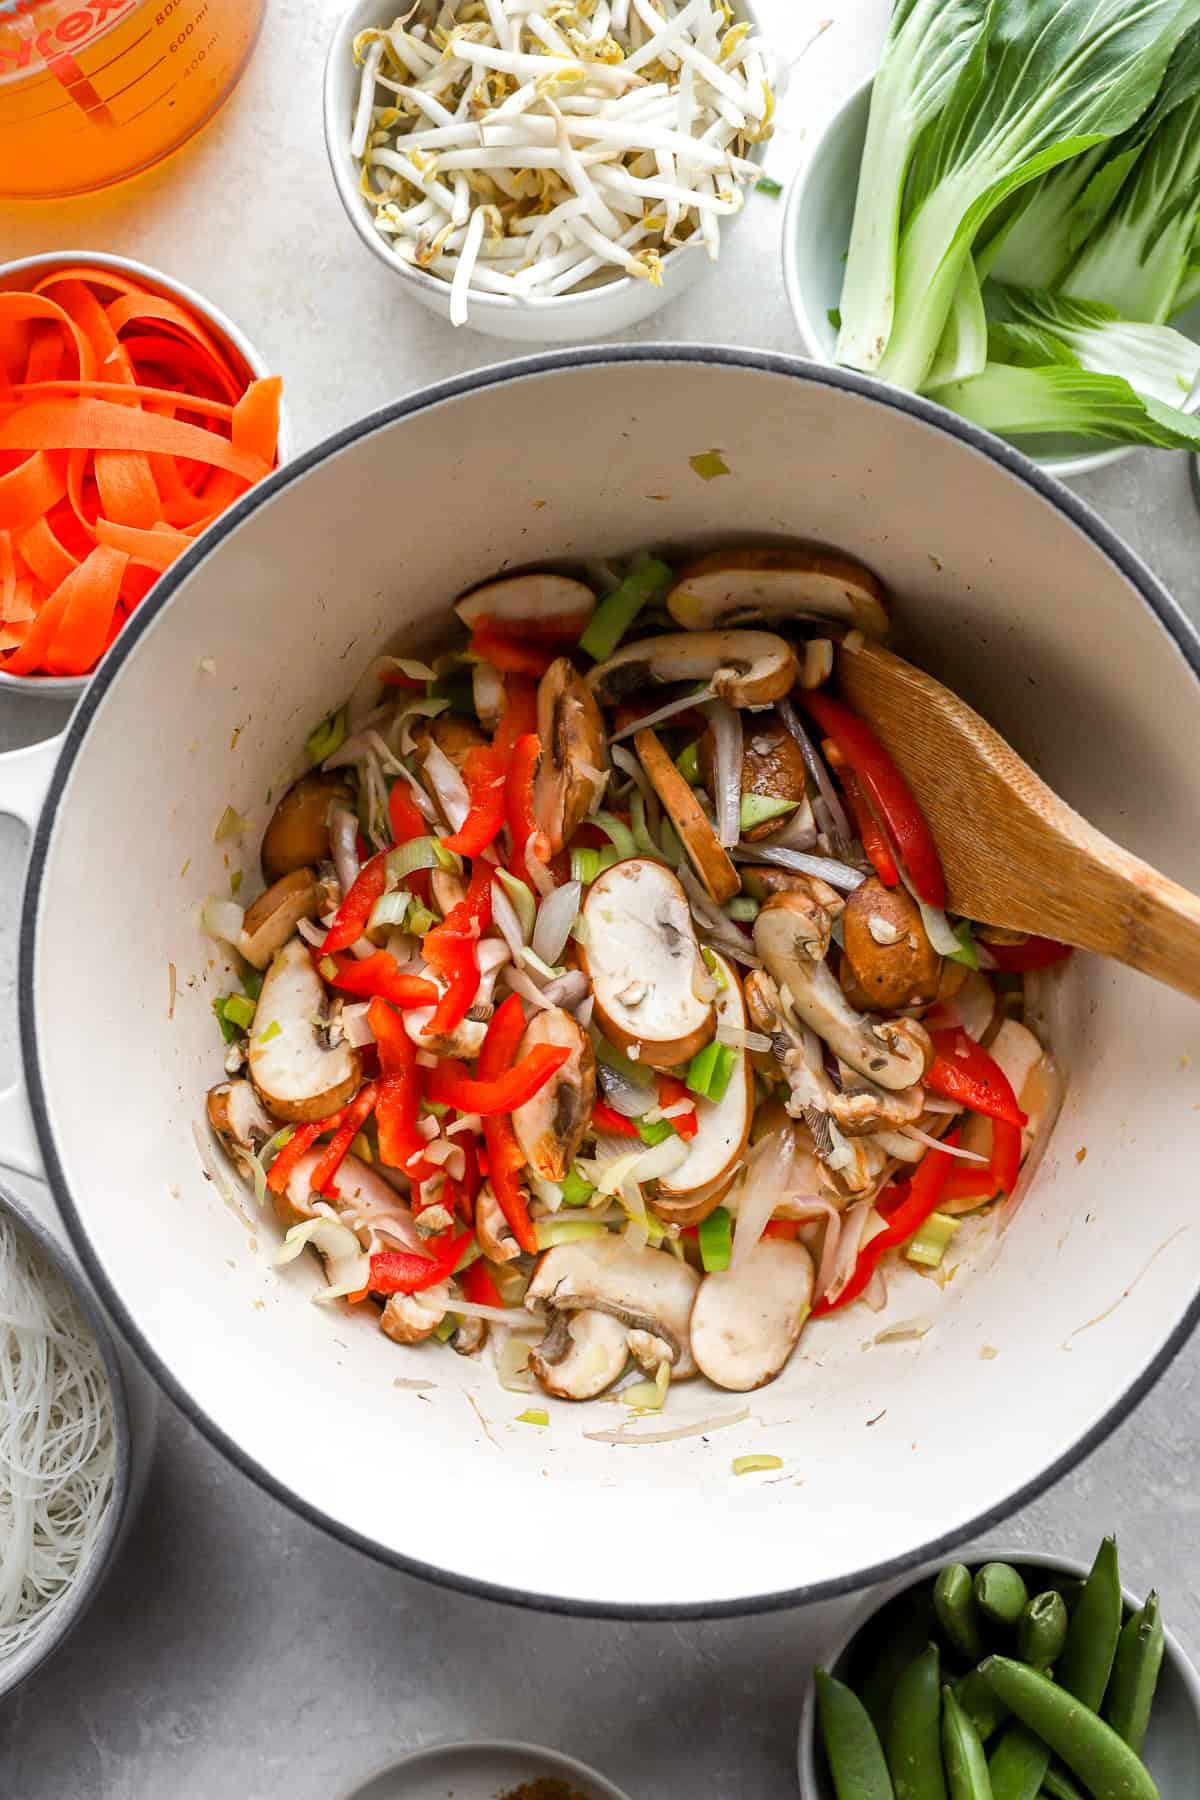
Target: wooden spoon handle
x,y
1128,911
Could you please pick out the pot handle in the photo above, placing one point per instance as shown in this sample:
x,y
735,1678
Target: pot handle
x,y
24,778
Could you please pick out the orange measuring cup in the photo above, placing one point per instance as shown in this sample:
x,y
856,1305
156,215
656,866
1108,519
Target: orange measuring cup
x,y
90,93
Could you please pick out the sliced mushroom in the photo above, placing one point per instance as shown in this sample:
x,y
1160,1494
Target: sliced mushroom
x,y
365,1201
533,599
574,752
736,587
797,1050
772,768
551,1126
761,881
411,1318
487,695
746,668
862,1109
467,1037
747,1321
239,1121
493,1230
274,916
582,1354
723,1125
894,1053
649,1291
710,861
454,736
469,1335
297,836
447,889
888,948
297,1074
639,951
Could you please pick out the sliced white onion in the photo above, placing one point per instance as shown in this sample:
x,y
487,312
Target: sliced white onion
x,y
737,1039
699,1428
496,1315
923,1137
539,875
727,764
799,832
854,1225
768,1166
814,762
663,713
837,874
448,785
312,932
718,929
504,917
622,1094
521,983
935,1104
829,1249
343,842
875,1292
354,1024
555,917
905,1328
631,765
937,929
568,990
583,1010
222,919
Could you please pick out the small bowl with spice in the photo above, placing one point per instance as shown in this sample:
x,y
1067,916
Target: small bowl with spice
x,y
1033,1673
546,181
488,1770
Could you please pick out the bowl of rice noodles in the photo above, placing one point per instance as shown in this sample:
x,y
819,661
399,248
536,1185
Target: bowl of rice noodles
x,y
76,1434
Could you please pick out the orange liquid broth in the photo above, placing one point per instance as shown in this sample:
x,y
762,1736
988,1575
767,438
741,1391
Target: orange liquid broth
x,y
92,93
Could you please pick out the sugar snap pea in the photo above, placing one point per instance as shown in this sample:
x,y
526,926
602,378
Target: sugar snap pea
x,y
957,1612
1091,1749
1135,1675
966,1765
1001,1595
1087,1659
1042,1632
1017,1766
852,1744
884,1649
1059,1786
977,1700
913,1738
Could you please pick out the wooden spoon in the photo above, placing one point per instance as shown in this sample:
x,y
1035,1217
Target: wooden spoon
x,y
1014,854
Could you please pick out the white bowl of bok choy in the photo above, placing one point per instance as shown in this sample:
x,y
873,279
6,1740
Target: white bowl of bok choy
x,y
1046,295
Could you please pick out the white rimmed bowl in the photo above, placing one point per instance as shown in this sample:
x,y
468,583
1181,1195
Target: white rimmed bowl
x,y
816,231
243,355
482,1769
135,1405
1098,685
1172,1751
593,312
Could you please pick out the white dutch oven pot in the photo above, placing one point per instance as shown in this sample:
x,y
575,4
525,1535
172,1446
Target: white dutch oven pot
x,y
1011,590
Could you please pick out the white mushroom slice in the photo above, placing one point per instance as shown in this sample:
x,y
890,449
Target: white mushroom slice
x,y
466,1039
365,1201
582,1354
724,1125
746,1323
638,932
894,1053
574,752
530,599
705,852
487,695
738,587
493,1230
239,1121
274,916
411,1318
647,1290
298,1077
745,668
551,1126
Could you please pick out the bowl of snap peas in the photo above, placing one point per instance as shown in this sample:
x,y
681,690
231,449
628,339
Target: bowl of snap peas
x,y
1022,1677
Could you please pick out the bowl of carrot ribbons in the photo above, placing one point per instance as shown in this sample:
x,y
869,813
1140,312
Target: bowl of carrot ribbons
x,y
132,414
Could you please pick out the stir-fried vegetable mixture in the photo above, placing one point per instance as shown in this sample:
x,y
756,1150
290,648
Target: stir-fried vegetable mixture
x,y
519,150
602,994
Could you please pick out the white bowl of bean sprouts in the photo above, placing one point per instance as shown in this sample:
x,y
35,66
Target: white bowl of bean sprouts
x,y
556,207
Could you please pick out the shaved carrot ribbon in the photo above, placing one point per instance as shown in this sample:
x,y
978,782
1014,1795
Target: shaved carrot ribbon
x,y
125,430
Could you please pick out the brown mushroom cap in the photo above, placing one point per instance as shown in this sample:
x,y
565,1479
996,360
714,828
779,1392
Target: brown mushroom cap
x,y
237,1117
274,916
888,948
534,598
297,1075
574,752
772,765
453,735
297,835
744,668
734,587
710,861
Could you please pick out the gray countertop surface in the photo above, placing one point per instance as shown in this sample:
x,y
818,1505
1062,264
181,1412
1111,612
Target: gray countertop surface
x,y
235,1650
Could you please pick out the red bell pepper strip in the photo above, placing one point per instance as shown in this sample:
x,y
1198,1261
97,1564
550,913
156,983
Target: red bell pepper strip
x,y
1034,953
963,1071
350,919
478,1287
520,713
788,1229
403,1272
1000,1175
606,1118
563,629
874,841
484,771
504,1154
450,949
380,976
887,791
302,1140
354,1117
468,1187
451,1085
670,1092
924,1195
407,820
522,825
399,1095
511,657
